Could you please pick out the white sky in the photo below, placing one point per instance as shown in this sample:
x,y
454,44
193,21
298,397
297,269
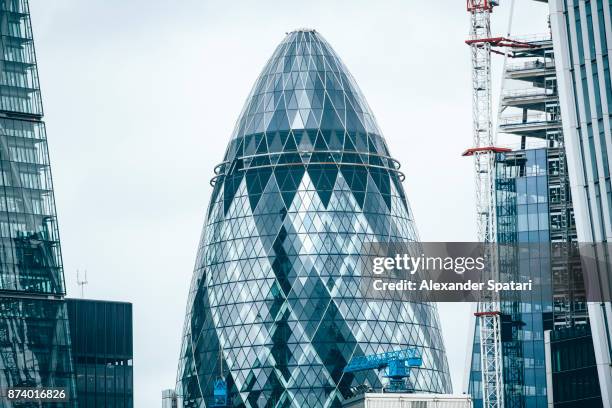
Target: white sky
x,y
140,99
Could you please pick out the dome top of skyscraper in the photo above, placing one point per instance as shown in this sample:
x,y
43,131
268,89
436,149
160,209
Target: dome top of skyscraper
x,y
303,30
305,85
305,100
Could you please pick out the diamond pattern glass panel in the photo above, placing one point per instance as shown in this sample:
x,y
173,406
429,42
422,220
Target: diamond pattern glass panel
x,y
275,304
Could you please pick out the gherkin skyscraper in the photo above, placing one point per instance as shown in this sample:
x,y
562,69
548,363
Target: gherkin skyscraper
x,y
275,305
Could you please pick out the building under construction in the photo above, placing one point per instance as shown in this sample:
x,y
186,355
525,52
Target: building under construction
x,y
532,205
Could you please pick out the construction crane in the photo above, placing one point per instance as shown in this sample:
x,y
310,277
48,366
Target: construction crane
x,y
220,393
484,151
397,365
220,397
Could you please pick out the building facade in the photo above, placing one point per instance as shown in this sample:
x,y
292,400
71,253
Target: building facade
x,y
534,206
102,352
572,377
391,400
275,309
523,218
169,399
582,31
34,334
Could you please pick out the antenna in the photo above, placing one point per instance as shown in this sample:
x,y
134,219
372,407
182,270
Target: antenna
x,y
82,283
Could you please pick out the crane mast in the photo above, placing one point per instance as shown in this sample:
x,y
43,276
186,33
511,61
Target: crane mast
x,y
483,151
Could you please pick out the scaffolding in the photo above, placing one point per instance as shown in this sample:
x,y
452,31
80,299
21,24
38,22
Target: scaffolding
x,y
529,110
539,119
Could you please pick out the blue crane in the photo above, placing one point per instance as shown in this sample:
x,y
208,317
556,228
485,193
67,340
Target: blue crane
x,y
220,397
397,363
220,393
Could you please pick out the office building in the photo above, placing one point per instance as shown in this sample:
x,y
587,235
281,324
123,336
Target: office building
x,y
572,379
534,206
34,334
82,347
582,33
102,353
275,309
169,399
379,400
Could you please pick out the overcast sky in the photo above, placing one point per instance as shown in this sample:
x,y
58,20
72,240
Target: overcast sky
x,y
140,98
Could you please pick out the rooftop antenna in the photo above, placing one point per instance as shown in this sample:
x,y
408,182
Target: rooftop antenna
x,y
82,283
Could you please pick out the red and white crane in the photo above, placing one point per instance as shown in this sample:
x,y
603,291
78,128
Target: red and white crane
x,y
483,151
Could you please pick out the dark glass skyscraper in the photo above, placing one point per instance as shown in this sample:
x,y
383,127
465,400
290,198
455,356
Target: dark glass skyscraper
x,y
102,352
275,305
34,340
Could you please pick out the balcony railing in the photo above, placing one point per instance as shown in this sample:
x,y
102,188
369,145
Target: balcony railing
x,y
531,119
530,65
527,92
533,38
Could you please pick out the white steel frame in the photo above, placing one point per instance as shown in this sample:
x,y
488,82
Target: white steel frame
x,y
488,307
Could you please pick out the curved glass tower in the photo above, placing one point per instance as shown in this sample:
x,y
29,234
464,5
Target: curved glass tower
x,y
34,337
275,305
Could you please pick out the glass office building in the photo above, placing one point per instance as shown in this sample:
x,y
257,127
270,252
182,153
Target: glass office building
x,y
522,188
573,369
582,33
542,330
275,306
34,337
102,352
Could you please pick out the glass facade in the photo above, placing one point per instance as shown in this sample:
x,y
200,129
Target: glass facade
x,y
574,370
275,305
583,31
34,336
522,188
583,41
101,337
